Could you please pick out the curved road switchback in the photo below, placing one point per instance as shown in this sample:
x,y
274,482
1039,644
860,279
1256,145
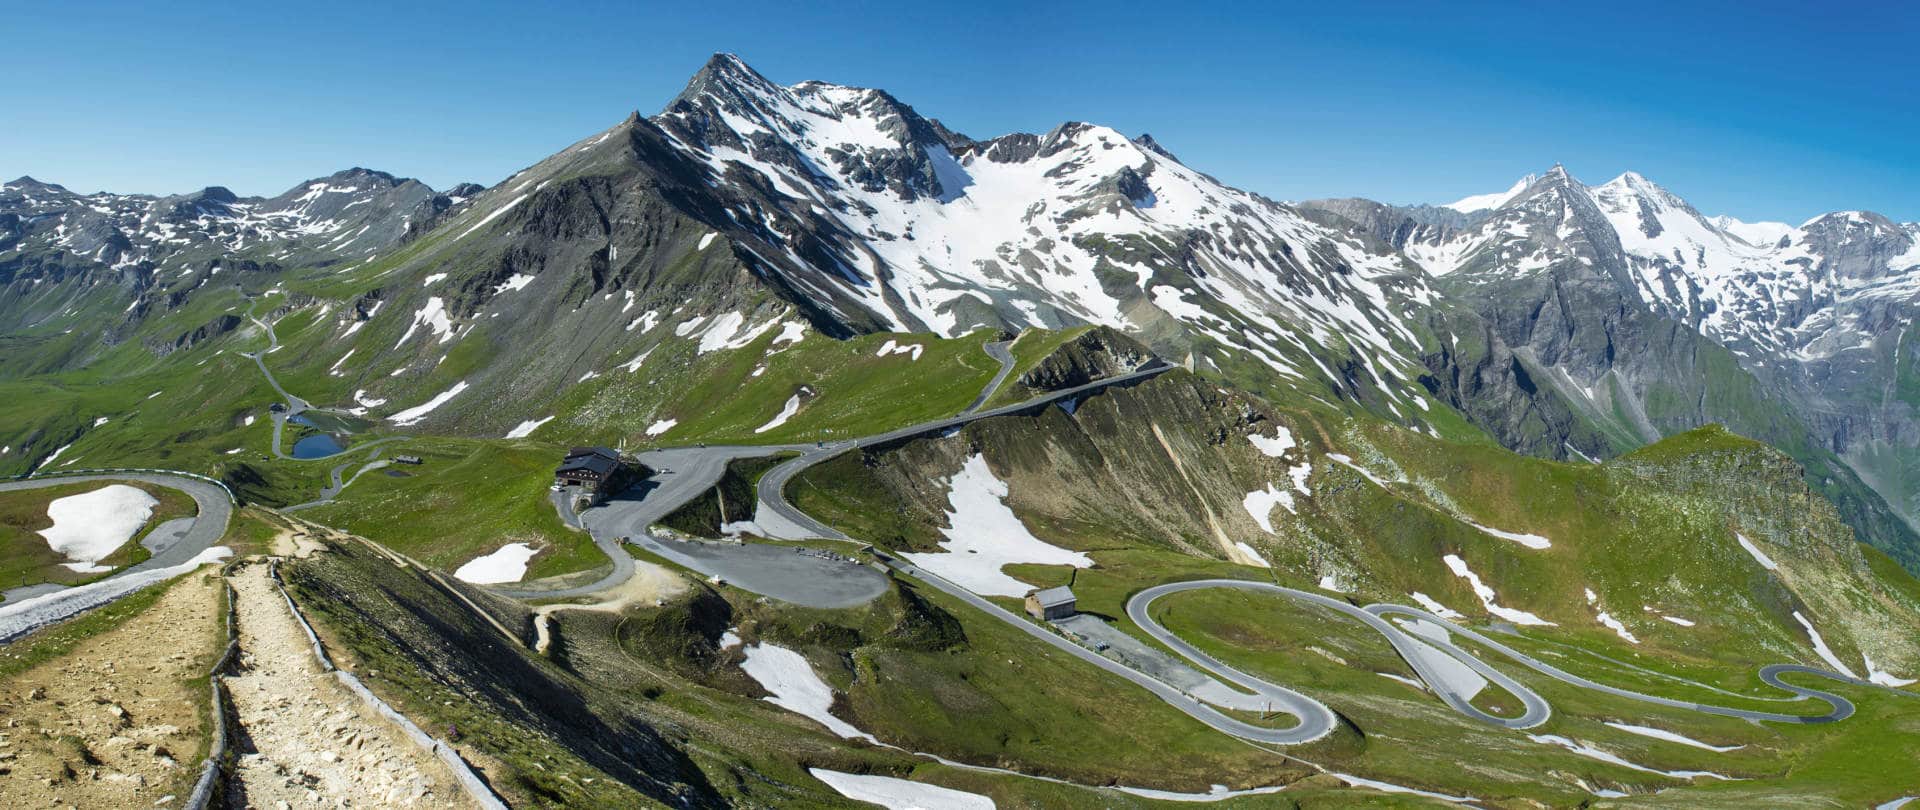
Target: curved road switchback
x,y
998,350
1413,651
172,555
1839,708
295,405
782,520
680,475
1315,719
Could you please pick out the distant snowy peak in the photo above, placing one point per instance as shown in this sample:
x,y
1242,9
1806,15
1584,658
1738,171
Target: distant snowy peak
x,y
1766,287
1483,202
350,213
1758,234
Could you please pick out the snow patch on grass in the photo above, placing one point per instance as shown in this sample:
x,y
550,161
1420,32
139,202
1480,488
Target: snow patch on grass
x,y
725,332
89,526
661,426
1388,787
1532,541
633,365
525,429
1434,607
1821,649
889,348
1260,502
1663,734
1364,472
1275,446
415,414
1876,675
506,564
796,688
1253,554
1758,555
790,332
433,316
1591,752
1617,628
1488,599
984,535
50,457
786,412
900,794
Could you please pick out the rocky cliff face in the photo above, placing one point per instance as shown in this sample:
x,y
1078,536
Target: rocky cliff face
x,y
1094,355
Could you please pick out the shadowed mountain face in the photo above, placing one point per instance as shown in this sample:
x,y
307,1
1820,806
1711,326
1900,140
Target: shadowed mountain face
x,y
1652,318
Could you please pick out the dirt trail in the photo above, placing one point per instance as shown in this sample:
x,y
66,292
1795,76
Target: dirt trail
x,y
115,722
306,740
649,583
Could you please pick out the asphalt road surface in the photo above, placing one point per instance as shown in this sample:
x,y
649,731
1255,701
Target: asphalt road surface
x,y
171,547
997,350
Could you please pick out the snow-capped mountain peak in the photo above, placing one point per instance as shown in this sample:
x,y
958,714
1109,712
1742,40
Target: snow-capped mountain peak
x,y
884,214
1483,202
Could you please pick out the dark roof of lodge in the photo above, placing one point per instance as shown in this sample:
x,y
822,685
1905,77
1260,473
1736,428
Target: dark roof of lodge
x,y
594,464
1052,596
593,451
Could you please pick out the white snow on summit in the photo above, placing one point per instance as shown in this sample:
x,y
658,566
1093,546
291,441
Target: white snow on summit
x,y
1482,202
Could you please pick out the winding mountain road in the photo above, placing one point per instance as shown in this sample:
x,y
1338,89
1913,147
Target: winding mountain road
x,y
1411,650
294,405
1839,708
683,473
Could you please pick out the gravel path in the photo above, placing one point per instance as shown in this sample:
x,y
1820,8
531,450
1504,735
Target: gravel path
x,y
306,741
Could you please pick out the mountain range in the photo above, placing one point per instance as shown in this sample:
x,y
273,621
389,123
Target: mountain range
x,y
1563,319
902,376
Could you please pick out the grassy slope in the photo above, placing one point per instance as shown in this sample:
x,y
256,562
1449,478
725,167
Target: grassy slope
x,y
1629,538
466,499
717,398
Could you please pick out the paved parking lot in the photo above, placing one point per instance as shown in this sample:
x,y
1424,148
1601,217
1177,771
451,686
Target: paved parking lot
x,y
786,573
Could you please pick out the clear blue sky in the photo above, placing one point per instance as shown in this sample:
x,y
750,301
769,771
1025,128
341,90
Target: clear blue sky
x,y
1759,110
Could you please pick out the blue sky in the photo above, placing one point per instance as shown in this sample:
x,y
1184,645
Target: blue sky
x,y
1760,110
